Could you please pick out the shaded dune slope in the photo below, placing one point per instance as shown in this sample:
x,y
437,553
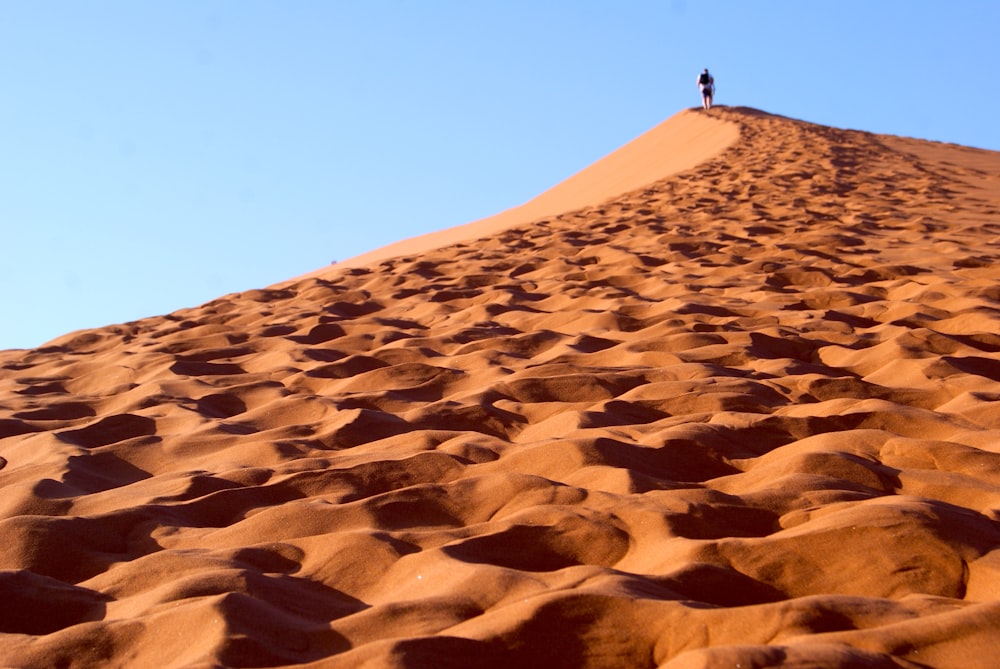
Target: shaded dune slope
x,y
743,415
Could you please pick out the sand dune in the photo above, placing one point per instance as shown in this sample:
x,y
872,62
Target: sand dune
x,y
728,397
679,143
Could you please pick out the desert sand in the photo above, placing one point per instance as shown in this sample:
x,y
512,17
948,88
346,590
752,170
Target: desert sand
x,y
730,397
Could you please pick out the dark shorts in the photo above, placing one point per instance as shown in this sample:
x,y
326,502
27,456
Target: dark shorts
x,y
706,92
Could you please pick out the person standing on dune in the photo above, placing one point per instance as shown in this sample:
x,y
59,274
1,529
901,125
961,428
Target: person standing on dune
x,y
706,84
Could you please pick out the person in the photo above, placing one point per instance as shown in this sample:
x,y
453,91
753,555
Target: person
x,y
706,84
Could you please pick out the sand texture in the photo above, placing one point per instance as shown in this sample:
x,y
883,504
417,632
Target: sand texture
x,y
740,408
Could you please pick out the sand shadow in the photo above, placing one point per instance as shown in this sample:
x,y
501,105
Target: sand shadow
x,y
986,367
200,368
38,605
221,405
720,586
110,430
675,461
91,473
11,427
59,411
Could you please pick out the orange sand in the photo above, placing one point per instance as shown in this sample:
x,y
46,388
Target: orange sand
x,y
730,397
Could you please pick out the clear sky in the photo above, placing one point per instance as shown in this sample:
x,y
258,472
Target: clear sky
x,y
156,154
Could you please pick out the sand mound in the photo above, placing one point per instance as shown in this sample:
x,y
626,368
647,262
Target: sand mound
x,y
729,397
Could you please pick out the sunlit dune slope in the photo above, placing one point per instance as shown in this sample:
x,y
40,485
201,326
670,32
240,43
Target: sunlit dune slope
x,y
677,144
728,398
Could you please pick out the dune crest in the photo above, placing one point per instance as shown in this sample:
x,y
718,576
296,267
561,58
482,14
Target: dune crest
x,y
738,411
679,143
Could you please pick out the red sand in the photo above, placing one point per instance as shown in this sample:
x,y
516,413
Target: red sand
x,y
730,397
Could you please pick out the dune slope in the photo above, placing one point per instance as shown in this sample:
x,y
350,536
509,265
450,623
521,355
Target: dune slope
x,y
681,142
741,412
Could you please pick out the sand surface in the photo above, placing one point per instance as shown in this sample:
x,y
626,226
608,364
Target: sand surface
x,y
739,409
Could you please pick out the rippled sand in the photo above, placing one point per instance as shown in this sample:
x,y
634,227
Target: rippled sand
x,y
729,397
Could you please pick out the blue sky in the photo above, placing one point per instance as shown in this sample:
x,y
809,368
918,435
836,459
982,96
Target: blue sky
x,y
156,154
